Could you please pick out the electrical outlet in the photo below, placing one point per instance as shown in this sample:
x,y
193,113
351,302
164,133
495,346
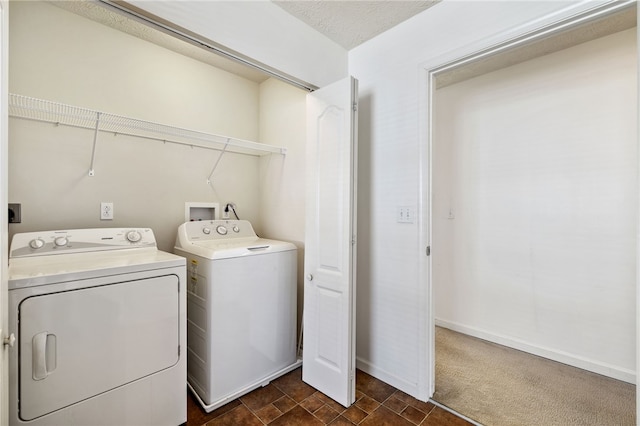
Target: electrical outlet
x,y
15,213
106,211
226,211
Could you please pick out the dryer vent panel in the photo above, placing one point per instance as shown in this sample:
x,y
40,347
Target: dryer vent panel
x,y
201,211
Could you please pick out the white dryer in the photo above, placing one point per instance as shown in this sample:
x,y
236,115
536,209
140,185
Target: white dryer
x,y
99,316
241,308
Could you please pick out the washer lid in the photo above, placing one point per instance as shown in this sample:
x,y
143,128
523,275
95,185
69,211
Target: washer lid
x,y
229,249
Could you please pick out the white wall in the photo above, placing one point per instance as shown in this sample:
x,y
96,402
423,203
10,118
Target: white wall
x,y
537,162
262,31
282,178
59,56
392,333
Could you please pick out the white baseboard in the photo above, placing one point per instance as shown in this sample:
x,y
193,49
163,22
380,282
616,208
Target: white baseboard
x,y
612,371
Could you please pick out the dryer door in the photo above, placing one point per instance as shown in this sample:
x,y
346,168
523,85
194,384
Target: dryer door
x,y
77,344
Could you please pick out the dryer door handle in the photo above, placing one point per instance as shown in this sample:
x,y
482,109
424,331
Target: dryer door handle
x,y
39,352
44,355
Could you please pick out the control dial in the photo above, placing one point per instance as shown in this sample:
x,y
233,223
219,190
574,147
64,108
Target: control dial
x,y
133,236
61,241
221,230
36,243
206,230
236,229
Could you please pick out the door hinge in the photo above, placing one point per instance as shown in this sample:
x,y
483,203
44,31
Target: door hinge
x,y
353,240
428,250
355,106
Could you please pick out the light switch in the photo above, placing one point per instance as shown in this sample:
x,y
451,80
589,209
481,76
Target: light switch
x,y
405,214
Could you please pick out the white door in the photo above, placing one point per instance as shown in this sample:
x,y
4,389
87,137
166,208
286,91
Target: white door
x,y
4,227
330,250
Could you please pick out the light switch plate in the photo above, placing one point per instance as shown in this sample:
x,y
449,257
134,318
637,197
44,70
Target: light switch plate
x,y
405,214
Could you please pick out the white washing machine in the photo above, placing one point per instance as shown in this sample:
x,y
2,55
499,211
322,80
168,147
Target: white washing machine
x,y
241,308
100,320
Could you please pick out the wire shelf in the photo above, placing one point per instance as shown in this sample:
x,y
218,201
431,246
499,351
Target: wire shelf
x,y
52,112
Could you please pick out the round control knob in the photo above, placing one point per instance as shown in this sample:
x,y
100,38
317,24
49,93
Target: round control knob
x,y
61,241
236,229
36,244
206,231
134,236
221,230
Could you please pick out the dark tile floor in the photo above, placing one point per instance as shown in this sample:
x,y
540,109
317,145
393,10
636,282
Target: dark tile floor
x,y
289,401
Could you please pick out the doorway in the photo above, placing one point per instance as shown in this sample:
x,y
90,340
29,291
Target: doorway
x,y
530,173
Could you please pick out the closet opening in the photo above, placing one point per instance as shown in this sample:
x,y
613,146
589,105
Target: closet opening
x,y
534,218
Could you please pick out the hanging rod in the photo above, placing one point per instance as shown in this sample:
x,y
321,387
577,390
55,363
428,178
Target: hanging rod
x,y
52,112
173,30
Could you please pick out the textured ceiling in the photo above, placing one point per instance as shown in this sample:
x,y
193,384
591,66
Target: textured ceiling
x,y
350,23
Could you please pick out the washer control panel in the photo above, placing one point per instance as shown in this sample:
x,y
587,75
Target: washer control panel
x,y
79,241
204,230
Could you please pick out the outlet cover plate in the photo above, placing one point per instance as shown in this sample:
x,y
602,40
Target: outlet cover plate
x,y
106,211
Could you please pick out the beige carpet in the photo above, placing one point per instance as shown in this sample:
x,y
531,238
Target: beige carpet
x,y
497,386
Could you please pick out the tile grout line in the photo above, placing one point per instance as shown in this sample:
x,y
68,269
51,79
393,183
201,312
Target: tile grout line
x,y
324,404
407,405
429,413
282,413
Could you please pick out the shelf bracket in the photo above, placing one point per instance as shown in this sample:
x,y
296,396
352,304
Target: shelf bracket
x,y
218,160
95,140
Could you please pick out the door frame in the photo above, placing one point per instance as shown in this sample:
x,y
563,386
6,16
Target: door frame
x,y
4,222
555,23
